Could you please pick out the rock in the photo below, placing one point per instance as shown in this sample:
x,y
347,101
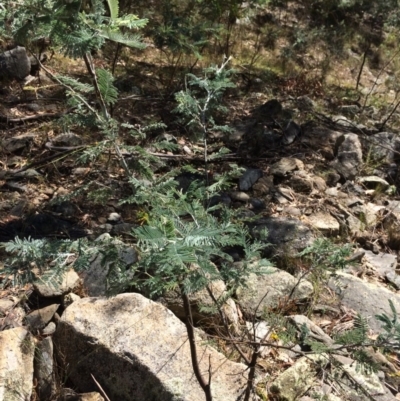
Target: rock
x,y
6,305
385,265
80,171
113,218
286,236
43,366
315,332
69,282
67,394
49,329
384,147
320,139
93,396
304,103
96,277
103,228
68,299
283,195
28,79
352,201
292,211
199,300
355,225
265,292
257,204
39,318
353,379
318,183
61,191
324,223
350,110
368,299
64,208
15,63
249,178
66,140
349,156
374,182
14,318
264,185
290,133
187,150
17,351
138,350
269,111
286,165
368,214
343,122
298,379
33,107
18,142
239,196
301,182
302,378
122,228
394,208
332,179
261,332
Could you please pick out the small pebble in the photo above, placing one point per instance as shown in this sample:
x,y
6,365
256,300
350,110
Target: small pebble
x,y
239,196
114,218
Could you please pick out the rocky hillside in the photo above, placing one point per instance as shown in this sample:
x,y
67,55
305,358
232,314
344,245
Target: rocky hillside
x,y
313,175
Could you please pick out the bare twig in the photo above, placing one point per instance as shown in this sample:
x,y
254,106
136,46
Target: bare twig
x,y
252,373
378,76
100,388
362,65
206,387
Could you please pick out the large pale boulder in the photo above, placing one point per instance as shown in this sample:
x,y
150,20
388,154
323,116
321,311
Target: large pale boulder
x,y
367,299
138,350
16,364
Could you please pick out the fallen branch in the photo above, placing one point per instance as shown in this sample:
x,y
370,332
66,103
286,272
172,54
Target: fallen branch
x,y
29,118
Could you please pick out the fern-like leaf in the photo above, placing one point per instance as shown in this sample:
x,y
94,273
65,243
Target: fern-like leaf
x,y
114,8
107,89
125,39
75,84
